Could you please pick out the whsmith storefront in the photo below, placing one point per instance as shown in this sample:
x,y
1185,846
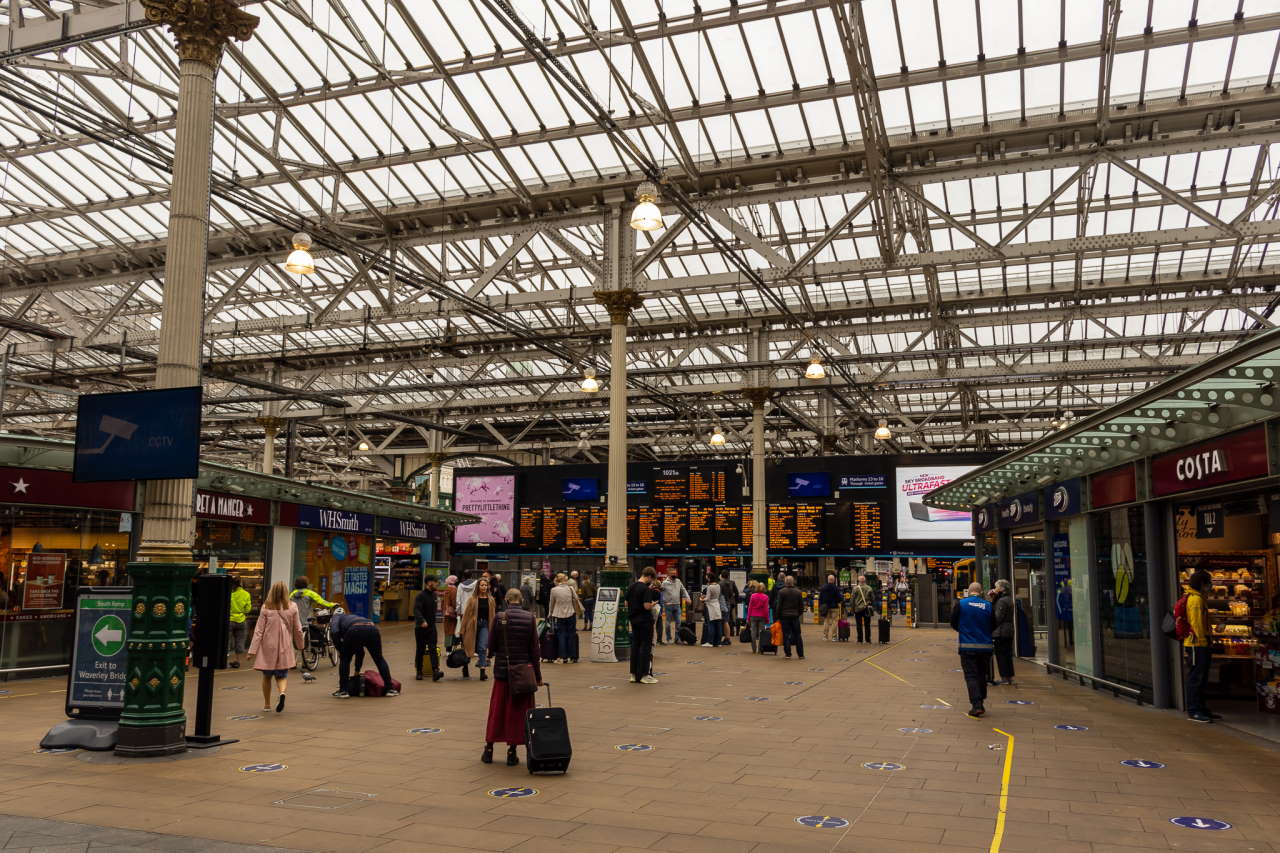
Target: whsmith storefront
x,y
1098,525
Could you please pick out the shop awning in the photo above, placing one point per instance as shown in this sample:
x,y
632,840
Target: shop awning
x,y
1225,393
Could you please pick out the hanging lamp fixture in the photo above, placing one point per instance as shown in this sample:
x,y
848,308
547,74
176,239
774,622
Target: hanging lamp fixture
x,y
589,383
717,438
300,261
815,370
646,216
883,433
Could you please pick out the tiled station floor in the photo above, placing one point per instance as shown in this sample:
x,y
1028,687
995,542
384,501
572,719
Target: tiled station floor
x,y
741,747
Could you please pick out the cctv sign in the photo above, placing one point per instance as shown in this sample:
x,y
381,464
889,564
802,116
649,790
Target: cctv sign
x,y
138,435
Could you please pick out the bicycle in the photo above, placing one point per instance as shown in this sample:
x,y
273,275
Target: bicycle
x,y
316,642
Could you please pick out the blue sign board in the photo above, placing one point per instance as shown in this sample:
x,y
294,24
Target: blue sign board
x,y
96,682
401,528
138,435
637,487
1062,499
811,485
355,589
1061,551
985,518
580,489
1024,509
319,518
863,481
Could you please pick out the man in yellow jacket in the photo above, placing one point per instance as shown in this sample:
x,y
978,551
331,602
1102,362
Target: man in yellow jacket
x,y
241,606
1197,649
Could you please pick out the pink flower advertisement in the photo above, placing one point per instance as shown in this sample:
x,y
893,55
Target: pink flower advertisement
x,y
494,500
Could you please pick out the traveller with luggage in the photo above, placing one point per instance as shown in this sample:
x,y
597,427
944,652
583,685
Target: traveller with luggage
x,y
728,606
673,595
352,637
564,609
449,610
424,631
861,600
517,675
758,615
642,600
790,611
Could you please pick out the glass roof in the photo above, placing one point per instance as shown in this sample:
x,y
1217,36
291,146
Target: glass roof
x,y
983,216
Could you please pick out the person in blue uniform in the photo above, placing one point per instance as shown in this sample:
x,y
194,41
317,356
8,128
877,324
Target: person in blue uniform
x,y
973,619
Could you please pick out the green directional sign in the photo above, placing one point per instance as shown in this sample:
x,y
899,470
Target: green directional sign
x,y
108,635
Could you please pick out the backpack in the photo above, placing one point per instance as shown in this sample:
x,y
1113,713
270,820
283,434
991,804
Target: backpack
x,y
1176,625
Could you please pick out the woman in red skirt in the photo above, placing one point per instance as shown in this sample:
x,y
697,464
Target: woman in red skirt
x,y
513,642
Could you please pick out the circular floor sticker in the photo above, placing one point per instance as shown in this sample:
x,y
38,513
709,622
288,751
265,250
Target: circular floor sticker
x,y
1067,727
822,821
1200,823
820,669
425,731
601,687
912,731
757,698
513,793
1021,702
263,768
233,688
5,692
1142,763
793,683
633,747
935,707
693,662
246,717
708,718
883,765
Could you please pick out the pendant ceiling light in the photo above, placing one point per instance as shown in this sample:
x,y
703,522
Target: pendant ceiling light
x,y
883,433
364,445
815,370
589,384
583,443
717,438
646,216
300,261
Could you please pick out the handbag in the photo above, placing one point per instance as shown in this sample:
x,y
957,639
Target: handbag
x,y
457,658
521,680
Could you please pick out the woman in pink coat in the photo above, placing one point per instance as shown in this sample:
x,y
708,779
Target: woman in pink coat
x,y
278,633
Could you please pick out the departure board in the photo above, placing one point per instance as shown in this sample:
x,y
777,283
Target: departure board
x,y
553,527
529,528
939,564
598,528
782,527
648,528
748,519
809,526
701,536
728,528
866,526
577,524
707,486
671,485
675,525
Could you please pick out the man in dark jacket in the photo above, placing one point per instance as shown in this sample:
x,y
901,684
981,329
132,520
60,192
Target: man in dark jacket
x,y
728,606
829,601
1002,633
352,636
790,610
424,630
971,618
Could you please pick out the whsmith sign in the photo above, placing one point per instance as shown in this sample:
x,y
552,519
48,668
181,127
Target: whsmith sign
x,y
400,528
319,518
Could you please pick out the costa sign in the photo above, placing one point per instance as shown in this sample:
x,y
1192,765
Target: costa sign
x,y
1238,456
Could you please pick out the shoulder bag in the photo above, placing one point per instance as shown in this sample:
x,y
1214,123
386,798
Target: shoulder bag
x,y
521,680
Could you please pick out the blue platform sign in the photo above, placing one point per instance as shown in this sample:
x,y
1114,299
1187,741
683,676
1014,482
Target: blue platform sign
x,y
1062,499
96,683
355,589
138,435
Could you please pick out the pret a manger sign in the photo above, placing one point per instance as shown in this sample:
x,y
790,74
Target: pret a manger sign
x,y
1229,459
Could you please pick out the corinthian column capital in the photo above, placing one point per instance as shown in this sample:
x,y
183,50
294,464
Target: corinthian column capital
x,y
619,303
201,28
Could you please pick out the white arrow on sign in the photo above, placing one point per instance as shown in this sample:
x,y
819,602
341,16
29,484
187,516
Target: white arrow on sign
x,y
1200,823
109,635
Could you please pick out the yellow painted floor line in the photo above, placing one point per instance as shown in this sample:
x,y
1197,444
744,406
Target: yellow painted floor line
x,y
943,701
998,836
887,672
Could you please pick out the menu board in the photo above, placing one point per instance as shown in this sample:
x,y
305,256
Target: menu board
x,y
809,527
701,536
707,486
553,527
529,528
598,529
728,528
866,517
675,524
648,528
782,527
576,528
671,485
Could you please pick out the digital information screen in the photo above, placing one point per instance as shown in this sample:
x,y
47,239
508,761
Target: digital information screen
x,y
812,485
553,528
598,530
671,485
810,527
782,527
748,519
675,524
701,534
577,525
728,528
866,518
648,528
529,528
707,486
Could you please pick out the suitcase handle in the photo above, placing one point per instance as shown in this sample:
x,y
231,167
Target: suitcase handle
x,y
547,685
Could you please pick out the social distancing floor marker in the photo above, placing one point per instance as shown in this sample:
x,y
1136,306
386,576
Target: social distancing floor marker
x,y
513,793
998,837
822,822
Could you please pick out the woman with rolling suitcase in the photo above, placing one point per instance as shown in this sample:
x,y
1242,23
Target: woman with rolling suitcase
x,y
517,675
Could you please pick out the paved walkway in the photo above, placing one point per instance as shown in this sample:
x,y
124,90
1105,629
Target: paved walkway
x,y
741,747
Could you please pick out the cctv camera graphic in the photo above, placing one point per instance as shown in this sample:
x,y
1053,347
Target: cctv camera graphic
x,y
114,428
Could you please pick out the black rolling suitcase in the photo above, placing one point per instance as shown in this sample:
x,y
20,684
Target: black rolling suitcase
x,y
547,746
687,634
886,625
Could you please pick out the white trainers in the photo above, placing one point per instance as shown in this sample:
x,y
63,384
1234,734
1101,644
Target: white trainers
x,y
707,646
648,679
631,678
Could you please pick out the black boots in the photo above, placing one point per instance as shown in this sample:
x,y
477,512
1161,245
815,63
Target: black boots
x,y
487,755
484,676
512,760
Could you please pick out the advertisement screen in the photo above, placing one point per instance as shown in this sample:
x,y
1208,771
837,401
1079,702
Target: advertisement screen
x,y
493,498
811,485
580,489
917,521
